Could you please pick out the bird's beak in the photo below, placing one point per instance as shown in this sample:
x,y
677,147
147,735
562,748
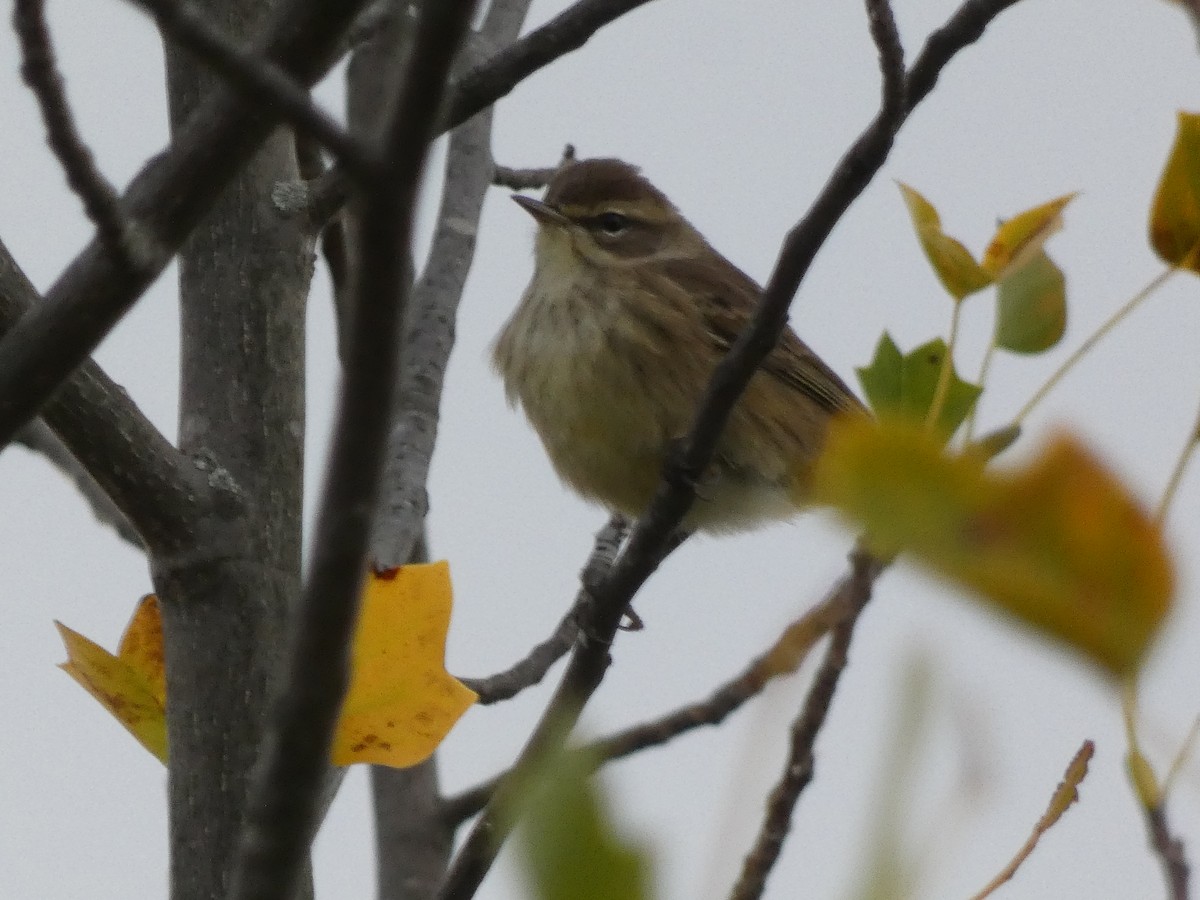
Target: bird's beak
x,y
545,215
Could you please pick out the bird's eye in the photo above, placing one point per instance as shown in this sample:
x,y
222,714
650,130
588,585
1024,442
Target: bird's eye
x,y
611,223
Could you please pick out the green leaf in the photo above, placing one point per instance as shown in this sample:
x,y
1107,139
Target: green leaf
x,y
1060,544
569,845
904,386
955,266
881,380
1031,307
1175,215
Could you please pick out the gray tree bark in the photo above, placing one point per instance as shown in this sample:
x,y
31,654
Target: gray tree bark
x,y
244,280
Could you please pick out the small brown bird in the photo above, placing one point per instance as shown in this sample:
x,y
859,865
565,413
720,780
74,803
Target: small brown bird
x,y
628,312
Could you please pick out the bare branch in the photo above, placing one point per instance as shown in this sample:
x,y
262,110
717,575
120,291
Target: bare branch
x,y
649,541
262,81
525,179
1064,797
1170,851
39,438
429,325
40,71
158,490
798,769
285,803
496,78
782,658
163,204
531,669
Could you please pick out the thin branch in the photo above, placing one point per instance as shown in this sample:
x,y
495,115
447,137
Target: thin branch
x,y
158,489
428,337
648,543
526,179
163,204
40,71
532,668
1170,851
285,801
1065,796
262,81
41,439
798,770
496,78
782,658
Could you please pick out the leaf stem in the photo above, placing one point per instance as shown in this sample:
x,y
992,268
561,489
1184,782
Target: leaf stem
x,y
1113,321
943,383
1181,464
984,369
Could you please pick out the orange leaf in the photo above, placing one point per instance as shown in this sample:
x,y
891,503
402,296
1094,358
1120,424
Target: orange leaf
x,y
401,702
1060,544
1175,215
129,685
1018,240
953,263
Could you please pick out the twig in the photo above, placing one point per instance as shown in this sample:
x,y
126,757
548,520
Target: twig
x,y
284,809
782,658
40,439
40,71
1065,795
163,204
798,770
645,549
1170,851
532,668
525,179
494,79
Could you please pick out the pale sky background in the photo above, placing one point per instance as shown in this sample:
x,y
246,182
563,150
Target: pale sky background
x,y
737,110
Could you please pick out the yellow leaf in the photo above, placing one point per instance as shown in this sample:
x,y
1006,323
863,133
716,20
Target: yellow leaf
x,y
953,263
1060,544
401,702
129,685
1175,215
1018,240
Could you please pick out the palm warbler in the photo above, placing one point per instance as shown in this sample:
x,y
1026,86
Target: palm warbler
x,y
628,312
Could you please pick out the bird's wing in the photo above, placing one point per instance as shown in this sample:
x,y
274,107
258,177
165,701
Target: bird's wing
x,y
727,297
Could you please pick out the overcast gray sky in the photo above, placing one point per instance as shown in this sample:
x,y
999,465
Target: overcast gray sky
x,y
738,111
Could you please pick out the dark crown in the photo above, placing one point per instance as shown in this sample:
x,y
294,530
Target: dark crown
x,y
591,183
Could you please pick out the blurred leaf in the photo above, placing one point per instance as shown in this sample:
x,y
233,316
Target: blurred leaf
x,y
568,842
1145,782
1175,215
994,443
1060,544
1018,240
903,386
401,701
130,685
1065,795
1031,307
890,870
955,266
